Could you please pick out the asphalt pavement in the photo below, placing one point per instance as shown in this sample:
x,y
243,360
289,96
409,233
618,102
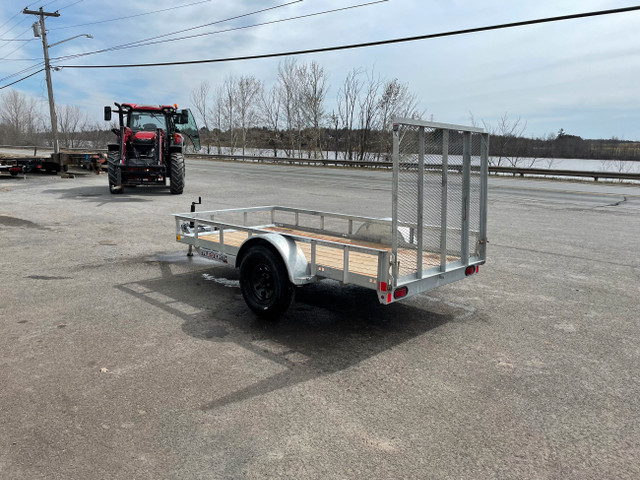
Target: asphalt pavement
x,y
121,357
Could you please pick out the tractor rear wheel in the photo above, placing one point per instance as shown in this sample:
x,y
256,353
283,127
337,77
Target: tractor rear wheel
x,y
176,175
114,173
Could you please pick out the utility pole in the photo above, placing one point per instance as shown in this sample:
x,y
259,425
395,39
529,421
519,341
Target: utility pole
x,y
47,69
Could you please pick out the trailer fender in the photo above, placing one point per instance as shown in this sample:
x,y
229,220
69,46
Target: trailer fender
x,y
292,256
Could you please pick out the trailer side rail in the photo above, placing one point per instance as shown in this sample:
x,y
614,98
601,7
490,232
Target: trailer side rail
x,y
333,252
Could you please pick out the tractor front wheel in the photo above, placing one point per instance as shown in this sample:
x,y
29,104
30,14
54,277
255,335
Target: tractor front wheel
x,y
114,173
176,175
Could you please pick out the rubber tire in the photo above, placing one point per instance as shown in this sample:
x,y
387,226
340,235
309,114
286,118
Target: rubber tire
x,y
114,174
264,283
176,175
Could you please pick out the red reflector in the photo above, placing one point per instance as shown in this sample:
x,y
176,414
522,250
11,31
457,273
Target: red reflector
x,y
400,292
470,270
383,286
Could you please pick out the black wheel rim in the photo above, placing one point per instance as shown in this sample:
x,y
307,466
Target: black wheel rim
x,y
262,283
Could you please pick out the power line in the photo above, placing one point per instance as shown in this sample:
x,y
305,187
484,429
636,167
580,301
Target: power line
x,y
23,78
15,15
24,70
70,5
375,43
68,57
47,4
100,51
134,43
19,47
21,22
128,16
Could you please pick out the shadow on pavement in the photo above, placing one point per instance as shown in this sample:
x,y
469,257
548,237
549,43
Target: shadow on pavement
x,y
329,327
101,194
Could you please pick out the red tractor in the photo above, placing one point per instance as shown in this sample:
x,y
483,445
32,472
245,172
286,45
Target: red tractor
x,y
150,147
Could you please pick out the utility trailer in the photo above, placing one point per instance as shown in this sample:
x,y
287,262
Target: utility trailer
x,y
10,167
56,162
436,234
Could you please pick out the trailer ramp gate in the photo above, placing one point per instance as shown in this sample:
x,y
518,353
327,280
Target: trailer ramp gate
x,y
439,201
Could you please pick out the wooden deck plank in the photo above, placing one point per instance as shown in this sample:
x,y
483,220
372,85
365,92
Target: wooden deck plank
x,y
330,257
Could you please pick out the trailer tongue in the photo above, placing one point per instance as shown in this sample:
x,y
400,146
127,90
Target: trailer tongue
x,y
436,235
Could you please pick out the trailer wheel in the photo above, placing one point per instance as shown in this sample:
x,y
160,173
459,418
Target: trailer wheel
x,y
265,283
176,175
114,174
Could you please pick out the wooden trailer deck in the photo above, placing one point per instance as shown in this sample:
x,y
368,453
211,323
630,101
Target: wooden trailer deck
x,y
333,257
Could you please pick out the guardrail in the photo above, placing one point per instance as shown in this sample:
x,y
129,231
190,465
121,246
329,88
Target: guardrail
x,y
327,162
565,173
515,171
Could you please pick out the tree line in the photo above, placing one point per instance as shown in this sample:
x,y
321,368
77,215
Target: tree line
x,y
508,145
24,121
290,117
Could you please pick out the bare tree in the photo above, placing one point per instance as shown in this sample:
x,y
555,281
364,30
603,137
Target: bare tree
x,y
347,100
200,100
71,122
20,116
506,142
270,115
229,111
289,94
97,134
248,90
312,92
217,119
396,100
334,121
369,108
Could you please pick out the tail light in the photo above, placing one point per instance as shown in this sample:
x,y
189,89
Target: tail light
x,y
471,270
400,292
177,138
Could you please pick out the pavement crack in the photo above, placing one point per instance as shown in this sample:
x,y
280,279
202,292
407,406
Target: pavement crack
x,y
616,204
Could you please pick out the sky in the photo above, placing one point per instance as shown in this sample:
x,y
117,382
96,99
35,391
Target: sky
x,y
582,76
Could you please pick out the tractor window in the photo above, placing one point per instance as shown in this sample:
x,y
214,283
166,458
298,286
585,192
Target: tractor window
x,y
147,121
190,129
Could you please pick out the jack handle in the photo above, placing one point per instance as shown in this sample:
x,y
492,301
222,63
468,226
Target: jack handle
x,y
193,209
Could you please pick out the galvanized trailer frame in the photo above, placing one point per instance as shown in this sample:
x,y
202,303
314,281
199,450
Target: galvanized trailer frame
x,y
436,234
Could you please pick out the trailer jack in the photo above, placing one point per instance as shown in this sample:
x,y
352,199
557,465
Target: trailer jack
x,y
192,224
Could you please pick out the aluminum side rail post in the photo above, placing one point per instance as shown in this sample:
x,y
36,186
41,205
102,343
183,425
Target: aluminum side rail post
x,y
484,186
443,204
466,186
420,212
394,204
